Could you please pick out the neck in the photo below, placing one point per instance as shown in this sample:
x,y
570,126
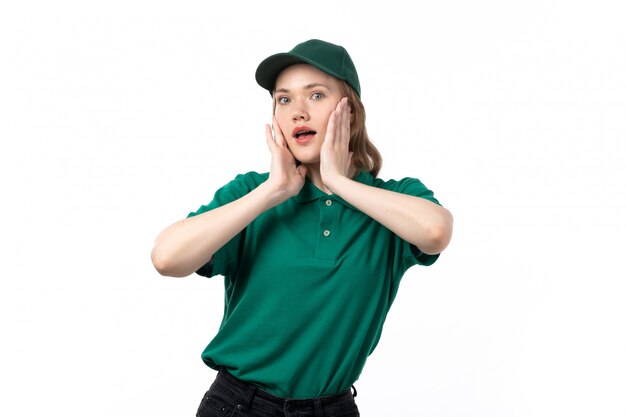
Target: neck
x,y
314,175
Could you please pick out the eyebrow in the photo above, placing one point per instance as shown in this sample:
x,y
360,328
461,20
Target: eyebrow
x,y
306,87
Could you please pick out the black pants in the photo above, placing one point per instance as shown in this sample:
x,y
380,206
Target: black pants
x,y
229,396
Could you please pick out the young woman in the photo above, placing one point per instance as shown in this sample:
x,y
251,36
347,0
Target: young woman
x,y
312,252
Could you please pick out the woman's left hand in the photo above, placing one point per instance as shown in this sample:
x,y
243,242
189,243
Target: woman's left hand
x,y
335,156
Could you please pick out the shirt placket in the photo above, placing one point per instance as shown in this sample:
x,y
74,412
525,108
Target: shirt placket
x,y
327,229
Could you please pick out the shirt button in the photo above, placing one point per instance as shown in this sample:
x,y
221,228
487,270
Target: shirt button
x,y
329,203
326,233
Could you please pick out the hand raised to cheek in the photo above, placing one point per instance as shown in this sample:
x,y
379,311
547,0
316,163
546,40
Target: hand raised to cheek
x,y
285,178
335,155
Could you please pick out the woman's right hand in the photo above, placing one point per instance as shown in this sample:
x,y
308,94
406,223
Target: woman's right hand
x,y
286,179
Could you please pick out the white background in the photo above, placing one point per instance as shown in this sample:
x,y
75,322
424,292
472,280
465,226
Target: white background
x,y
117,118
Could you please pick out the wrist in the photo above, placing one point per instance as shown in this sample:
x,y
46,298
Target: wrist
x,y
336,183
272,195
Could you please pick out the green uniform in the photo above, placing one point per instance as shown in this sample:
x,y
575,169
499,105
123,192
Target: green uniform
x,y
308,285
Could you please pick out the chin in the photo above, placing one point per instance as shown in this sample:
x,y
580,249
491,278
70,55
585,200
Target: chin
x,y
307,160
307,157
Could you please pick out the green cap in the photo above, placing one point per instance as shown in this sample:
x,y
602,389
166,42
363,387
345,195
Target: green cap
x,y
332,59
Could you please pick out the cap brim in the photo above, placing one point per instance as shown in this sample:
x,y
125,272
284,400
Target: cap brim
x,y
269,69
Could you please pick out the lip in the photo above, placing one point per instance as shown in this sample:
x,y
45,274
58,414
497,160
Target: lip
x,y
302,139
299,129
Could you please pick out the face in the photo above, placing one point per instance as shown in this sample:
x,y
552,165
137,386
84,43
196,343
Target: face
x,y
305,97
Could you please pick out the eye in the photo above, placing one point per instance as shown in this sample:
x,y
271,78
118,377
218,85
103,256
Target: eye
x,y
317,96
282,100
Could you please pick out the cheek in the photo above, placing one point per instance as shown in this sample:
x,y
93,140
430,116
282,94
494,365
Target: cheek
x,y
325,120
282,121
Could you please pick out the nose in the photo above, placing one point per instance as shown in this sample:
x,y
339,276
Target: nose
x,y
299,113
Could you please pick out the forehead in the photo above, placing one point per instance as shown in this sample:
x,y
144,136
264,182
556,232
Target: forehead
x,y
301,75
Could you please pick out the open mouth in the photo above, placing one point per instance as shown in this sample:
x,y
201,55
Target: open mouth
x,y
301,133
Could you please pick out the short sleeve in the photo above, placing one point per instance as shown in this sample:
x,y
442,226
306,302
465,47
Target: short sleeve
x,y
226,260
411,254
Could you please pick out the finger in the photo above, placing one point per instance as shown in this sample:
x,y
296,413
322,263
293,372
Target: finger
x,y
339,123
269,137
340,115
345,125
329,140
343,104
278,134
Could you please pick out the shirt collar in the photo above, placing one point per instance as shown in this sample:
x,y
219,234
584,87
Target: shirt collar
x,y
310,192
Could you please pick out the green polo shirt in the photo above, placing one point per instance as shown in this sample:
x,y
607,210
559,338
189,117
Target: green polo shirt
x,y
308,285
